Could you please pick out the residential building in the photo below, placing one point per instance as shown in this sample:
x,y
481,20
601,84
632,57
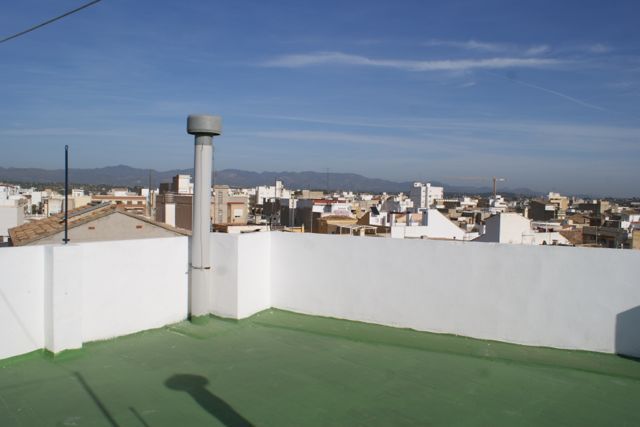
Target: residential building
x,y
119,192
12,214
540,210
560,202
122,197
265,192
182,184
229,208
429,223
424,195
597,208
514,228
174,209
606,237
54,204
635,238
497,204
308,211
333,224
311,194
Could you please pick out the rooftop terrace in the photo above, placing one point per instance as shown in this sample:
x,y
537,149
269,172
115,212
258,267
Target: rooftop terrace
x,y
279,368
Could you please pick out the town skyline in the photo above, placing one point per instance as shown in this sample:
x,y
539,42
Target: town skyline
x,y
338,181
546,95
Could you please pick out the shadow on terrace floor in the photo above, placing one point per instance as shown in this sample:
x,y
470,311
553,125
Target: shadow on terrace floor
x,y
195,385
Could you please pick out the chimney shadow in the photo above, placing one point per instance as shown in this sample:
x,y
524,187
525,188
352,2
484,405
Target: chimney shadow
x,y
627,343
103,409
195,386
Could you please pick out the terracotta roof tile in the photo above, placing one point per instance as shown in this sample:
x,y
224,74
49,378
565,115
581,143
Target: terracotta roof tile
x,y
32,231
37,230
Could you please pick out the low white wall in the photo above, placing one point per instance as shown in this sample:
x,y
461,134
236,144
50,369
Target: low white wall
x,y
63,281
58,297
21,300
543,296
61,296
241,266
224,263
133,285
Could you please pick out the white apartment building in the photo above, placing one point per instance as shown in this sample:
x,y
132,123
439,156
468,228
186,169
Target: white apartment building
x,y
468,203
498,205
425,195
182,184
119,192
7,191
55,203
265,192
12,214
429,223
514,228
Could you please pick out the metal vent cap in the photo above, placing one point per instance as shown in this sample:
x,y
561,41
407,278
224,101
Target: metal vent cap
x,y
203,124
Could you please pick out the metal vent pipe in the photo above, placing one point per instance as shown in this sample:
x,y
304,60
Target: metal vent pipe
x,y
204,127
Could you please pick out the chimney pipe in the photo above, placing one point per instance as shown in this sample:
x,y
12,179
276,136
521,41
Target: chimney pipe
x,y
204,128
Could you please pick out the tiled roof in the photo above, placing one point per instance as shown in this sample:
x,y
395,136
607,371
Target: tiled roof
x,y
37,230
157,224
573,236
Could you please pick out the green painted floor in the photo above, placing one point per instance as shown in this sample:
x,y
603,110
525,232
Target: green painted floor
x,y
284,369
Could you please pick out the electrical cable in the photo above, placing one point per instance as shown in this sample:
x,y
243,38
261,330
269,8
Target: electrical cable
x,y
35,27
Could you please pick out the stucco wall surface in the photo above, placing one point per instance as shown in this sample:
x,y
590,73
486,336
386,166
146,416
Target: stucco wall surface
x,y
21,300
241,266
133,285
560,297
57,297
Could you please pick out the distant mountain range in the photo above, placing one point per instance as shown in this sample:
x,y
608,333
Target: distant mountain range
x,y
126,176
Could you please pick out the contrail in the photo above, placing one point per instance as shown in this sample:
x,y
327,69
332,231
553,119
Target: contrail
x,y
553,92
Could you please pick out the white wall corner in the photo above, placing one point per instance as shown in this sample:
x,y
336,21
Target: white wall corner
x,y
63,297
254,273
224,282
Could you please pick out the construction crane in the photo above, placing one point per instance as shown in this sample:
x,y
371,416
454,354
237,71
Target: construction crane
x,y
495,181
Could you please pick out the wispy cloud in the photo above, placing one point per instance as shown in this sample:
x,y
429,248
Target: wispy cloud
x,y
598,48
469,45
340,58
491,47
537,50
473,125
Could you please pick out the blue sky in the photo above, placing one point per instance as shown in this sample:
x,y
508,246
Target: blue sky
x,y
544,93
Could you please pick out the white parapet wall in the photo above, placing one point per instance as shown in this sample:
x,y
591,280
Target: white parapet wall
x,y
241,266
133,285
58,297
563,297
21,300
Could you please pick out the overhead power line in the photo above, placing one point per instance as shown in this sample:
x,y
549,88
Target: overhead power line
x,y
71,12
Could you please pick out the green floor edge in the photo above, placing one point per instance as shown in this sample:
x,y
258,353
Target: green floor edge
x,y
579,360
